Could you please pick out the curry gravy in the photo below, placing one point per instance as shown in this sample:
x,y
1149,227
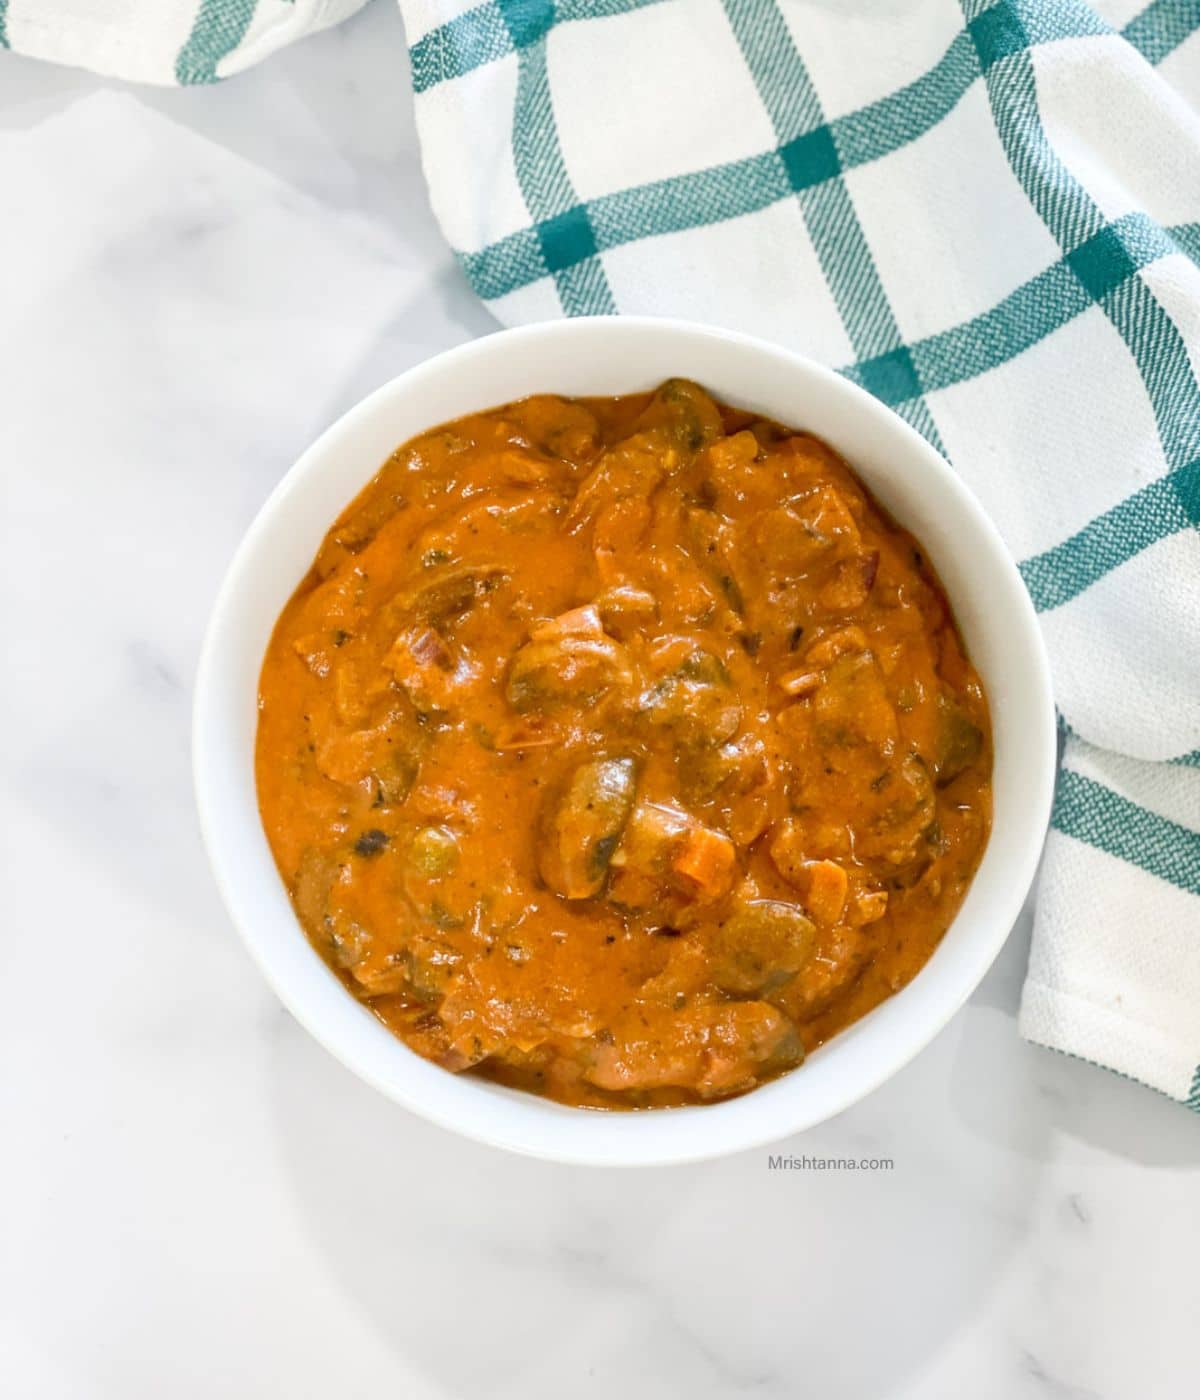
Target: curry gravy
x,y
621,750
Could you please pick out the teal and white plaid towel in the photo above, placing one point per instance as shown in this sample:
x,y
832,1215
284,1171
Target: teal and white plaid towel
x,y
987,213
163,41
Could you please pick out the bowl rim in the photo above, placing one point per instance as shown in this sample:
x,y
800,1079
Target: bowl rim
x,y
525,1123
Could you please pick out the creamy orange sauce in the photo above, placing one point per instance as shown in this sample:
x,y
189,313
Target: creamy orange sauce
x,y
621,750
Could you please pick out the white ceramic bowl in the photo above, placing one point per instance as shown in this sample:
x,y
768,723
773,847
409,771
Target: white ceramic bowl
x,y
615,356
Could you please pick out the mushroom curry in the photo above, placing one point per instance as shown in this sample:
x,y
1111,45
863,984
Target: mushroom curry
x,y
621,750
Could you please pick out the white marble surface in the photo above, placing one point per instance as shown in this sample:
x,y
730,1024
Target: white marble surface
x,y
194,1198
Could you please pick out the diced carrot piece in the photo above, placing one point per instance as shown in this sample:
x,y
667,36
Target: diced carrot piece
x,y
799,683
827,885
707,859
787,850
871,905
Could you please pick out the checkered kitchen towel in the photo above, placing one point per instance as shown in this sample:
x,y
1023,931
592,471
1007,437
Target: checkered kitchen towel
x,y
989,215
163,41
986,212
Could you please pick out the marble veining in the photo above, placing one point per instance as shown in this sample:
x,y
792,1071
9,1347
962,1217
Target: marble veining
x,y
196,1198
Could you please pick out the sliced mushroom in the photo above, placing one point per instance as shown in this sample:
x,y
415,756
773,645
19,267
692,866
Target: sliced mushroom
x,y
625,608
565,670
310,893
842,957
695,702
716,1049
446,597
960,740
760,947
668,860
815,529
394,774
852,707
904,812
712,541
583,824
686,412
562,427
